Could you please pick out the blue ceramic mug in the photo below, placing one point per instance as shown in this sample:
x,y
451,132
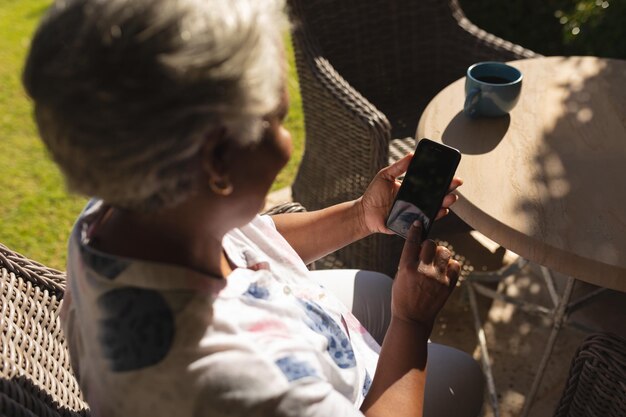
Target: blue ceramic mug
x,y
491,89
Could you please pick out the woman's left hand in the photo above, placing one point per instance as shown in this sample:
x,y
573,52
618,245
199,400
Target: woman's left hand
x,y
380,194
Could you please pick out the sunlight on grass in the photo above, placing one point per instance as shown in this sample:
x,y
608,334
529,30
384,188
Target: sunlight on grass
x,y
294,122
36,212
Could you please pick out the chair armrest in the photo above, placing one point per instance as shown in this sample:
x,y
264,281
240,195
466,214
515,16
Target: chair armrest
x,y
310,59
35,374
347,137
596,385
507,51
37,274
285,208
487,44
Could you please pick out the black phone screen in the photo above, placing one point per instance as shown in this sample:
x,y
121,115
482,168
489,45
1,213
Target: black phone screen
x,y
424,186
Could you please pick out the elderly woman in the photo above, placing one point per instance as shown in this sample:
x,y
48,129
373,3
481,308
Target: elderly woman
x,y
182,300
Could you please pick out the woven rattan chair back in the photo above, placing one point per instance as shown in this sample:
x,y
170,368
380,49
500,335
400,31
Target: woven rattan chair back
x,y
596,385
396,53
367,69
35,375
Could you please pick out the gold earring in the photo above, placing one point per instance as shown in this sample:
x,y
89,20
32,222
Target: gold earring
x,y
221,187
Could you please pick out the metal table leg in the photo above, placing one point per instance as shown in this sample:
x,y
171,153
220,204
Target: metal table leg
x,y
484,353
489,277
558,314
557,322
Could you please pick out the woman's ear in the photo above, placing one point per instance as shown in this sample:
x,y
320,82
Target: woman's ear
x,y
217,158
216,154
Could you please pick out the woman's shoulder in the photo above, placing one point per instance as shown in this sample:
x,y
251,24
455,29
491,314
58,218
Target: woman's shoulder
x,y
259,242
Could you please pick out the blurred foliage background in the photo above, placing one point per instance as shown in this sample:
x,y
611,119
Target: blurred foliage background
x,y
555,27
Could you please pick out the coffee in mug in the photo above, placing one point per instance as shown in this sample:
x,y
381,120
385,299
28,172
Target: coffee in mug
x,y
491,89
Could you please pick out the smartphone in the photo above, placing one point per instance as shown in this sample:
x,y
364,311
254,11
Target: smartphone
x,y
424,187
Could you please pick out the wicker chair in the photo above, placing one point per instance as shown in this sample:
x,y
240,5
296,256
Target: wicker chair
x,y
596,385
367,70
35,375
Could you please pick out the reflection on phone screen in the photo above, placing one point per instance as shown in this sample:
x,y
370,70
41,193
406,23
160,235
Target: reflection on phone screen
x,y
424,186
404,214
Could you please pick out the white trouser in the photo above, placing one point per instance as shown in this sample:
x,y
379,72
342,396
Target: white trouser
x,y
454,383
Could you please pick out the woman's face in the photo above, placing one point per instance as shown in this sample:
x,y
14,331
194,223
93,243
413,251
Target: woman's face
x,y
257,166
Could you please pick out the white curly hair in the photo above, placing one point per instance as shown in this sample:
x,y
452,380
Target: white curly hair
x,y
127,91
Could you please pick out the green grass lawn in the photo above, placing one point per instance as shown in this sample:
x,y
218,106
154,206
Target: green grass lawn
x,y
36,212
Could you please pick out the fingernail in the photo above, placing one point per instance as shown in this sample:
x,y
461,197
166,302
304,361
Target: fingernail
x,y
417,223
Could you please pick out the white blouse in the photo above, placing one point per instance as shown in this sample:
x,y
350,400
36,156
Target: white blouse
x,y
150,339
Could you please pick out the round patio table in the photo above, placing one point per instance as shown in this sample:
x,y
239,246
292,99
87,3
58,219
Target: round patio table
x,y
548,181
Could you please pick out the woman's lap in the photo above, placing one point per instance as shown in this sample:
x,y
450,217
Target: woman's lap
x,y
454,384
367,294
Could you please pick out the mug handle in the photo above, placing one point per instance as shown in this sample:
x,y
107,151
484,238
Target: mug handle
x,y
471,102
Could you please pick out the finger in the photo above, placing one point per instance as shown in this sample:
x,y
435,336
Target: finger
x,y
427,255
442,213
449,199
455,183
411,251
453,272
399,167
442,258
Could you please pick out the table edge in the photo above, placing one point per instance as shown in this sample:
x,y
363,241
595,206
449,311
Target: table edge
x,y
613,277
536,251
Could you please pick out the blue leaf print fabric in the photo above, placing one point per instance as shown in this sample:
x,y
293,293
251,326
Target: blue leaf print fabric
x,y
367,383
295,369
107,266
339,347
258,291
137,329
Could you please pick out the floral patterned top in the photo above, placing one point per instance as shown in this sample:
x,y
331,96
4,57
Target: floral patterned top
x,y
150,339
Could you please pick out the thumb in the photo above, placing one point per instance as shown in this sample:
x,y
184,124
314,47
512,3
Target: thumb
x,y
399,167
412,245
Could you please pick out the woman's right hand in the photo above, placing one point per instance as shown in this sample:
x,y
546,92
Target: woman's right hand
x,y
426,277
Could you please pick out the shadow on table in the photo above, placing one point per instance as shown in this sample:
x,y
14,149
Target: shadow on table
x,y
517,339
569,153
475,136
573,147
